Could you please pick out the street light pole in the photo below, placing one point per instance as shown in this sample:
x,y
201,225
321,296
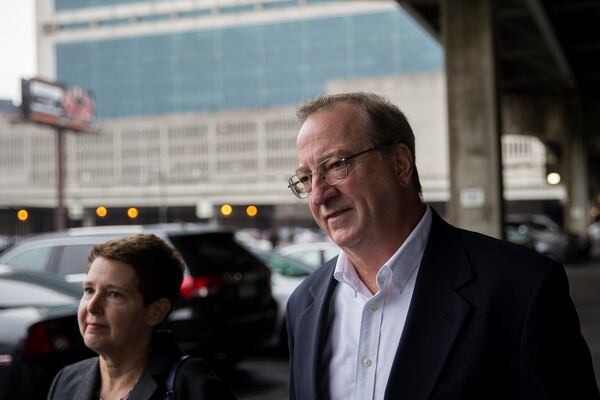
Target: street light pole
x,y
59,212
163,209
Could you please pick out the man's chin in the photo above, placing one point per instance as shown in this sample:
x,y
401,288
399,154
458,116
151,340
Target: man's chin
x,y
344,238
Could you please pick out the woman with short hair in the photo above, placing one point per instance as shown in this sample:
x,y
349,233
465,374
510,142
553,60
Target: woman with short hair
x,y
131,286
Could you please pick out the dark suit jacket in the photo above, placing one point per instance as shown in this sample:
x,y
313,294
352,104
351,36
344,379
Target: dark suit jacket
x,y
195,380
488,320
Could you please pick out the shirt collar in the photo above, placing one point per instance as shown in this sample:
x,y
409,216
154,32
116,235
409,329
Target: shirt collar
x,y
403,262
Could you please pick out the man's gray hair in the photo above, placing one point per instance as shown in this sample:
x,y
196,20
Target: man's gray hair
x,y
388,124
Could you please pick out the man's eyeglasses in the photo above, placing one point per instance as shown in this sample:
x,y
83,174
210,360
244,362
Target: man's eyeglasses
x,y
332,170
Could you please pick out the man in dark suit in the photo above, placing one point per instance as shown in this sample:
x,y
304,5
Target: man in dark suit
x,y
414,308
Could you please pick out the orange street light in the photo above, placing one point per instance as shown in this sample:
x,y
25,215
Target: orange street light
x,y
226,210
22,215
251,211
133,213
101,211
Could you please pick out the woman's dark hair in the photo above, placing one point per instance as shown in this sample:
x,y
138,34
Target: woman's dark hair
x,y
157,266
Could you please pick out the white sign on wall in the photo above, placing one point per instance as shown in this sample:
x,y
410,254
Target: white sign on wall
x,y
472,197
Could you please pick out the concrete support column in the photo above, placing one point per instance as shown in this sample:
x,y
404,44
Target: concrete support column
x,y
473,115
554,119
576,177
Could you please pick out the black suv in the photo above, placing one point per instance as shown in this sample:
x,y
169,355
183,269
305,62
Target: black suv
x,y
225,310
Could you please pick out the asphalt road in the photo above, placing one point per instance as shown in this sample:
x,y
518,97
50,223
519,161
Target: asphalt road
x,y
265,377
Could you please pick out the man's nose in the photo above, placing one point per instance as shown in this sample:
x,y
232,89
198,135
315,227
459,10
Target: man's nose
x,y
321,191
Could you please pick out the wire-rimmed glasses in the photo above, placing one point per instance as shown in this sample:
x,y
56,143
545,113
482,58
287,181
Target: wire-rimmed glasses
x,y
332,170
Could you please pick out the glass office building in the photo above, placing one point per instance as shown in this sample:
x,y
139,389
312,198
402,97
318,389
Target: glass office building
x,y
143,60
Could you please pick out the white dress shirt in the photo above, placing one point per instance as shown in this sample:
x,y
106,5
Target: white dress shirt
x,y
366,328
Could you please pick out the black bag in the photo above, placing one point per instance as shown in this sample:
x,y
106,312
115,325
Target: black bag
x,y
170,385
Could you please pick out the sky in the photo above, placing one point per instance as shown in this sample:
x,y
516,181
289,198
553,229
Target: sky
x,y
17,46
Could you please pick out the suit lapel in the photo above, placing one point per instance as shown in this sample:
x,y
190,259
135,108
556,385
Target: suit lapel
x,y
90,382
165,353
435,316
313,331
145,387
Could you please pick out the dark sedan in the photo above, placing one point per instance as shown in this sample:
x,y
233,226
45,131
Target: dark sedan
x,y
545,236
39,333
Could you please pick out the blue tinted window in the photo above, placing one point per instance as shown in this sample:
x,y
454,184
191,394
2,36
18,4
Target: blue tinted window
x,y
195,13
280,4
154,17
237,9
114,21
74,26
252,66
62,5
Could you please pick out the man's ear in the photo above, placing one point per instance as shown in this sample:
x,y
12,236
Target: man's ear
x,y
157,311
403,163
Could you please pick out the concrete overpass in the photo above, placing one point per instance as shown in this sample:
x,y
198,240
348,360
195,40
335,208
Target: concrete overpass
x,y
521,67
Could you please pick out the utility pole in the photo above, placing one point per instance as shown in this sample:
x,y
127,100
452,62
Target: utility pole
x,y
60,220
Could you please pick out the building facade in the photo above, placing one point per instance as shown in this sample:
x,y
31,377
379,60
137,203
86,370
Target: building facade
x,y
196,99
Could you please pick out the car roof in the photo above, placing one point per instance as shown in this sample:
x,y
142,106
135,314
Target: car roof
x,y
109,231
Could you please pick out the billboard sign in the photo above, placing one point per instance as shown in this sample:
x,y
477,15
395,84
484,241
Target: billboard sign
x,y
57,105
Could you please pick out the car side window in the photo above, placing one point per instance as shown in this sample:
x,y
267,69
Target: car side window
x,y
73,259
32,259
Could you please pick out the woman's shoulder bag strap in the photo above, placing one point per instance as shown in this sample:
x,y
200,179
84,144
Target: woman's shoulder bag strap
x,y
170,385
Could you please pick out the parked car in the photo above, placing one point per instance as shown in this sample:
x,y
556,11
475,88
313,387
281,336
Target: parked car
x,y
594,235
287,274
545,236
519,234
4,242
38,332
226,309
314,254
